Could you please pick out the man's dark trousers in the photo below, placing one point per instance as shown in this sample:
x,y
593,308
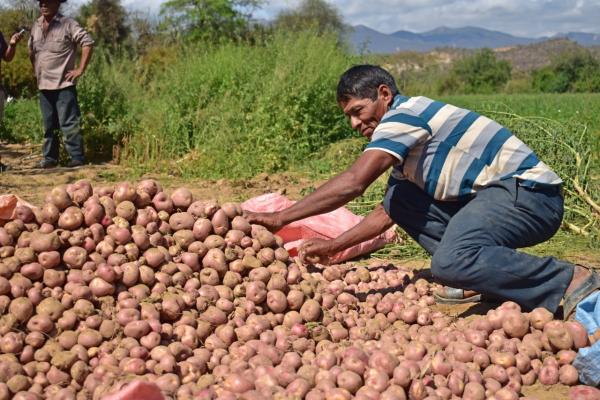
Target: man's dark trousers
x,y
473,241
60,110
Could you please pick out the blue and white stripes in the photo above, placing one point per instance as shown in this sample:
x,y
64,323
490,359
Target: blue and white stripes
x,y
452,152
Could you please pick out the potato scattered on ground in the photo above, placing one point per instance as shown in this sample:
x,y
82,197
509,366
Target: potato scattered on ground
x,y
102,286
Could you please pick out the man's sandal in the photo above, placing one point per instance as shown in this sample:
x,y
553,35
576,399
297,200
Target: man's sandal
x,y
450,295
587,287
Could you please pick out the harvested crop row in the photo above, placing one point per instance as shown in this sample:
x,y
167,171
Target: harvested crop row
x,y
102,286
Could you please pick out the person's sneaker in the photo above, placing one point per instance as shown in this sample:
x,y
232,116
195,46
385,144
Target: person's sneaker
x,y
4,167
75,164
47,164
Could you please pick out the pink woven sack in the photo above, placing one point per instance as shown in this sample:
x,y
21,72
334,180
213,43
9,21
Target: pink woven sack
x,y
8,203
324,226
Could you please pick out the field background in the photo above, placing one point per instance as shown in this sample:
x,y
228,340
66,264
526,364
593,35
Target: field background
x,y
202,96
255,112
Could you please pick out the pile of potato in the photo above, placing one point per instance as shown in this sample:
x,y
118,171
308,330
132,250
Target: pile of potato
x,y
103,286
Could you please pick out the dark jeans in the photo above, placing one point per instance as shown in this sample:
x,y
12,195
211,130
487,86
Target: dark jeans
x,y
473,241
60,110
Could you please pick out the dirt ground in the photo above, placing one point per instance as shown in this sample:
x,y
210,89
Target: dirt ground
x,y
32,184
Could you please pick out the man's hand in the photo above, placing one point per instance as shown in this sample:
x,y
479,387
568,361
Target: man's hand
x,y
16,38
316,250
271,221
71,76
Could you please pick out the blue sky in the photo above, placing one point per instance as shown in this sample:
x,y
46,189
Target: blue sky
x,y
519,17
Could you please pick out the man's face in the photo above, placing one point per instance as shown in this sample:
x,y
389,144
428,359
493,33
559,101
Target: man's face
x,y
365,114
49,8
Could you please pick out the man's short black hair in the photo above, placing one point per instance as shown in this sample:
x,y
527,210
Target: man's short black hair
x,y
362,81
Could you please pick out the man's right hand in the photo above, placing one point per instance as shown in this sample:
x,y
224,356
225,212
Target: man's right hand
x,y
271,221
16,38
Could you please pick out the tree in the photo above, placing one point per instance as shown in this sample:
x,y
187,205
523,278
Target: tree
x,y
106,20
312,14
479,73
209,19
573,71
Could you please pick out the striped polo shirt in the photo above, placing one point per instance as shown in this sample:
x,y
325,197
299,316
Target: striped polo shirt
x,y
450,152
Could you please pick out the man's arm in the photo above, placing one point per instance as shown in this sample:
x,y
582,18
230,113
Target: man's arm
x,y
375,223
86,55
31,52
9,54
82,38
333,194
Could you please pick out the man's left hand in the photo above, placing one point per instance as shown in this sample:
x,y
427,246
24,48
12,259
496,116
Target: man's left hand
x,y
270,220
71,76
316,250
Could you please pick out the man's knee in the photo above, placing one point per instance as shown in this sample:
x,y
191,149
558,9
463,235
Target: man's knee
x,y
451,264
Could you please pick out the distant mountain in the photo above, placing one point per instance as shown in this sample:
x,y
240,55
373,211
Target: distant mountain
x,y
363,38
584,39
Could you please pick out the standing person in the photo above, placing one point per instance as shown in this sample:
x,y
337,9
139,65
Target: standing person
x,y
7,53
52,50
463,186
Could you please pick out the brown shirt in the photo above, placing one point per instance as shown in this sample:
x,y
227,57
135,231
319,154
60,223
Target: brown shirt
x,y
55,50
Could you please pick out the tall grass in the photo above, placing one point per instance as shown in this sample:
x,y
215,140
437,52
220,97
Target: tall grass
x,y
237,110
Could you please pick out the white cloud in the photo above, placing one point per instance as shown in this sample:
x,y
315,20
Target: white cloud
x,y
518,17
530,18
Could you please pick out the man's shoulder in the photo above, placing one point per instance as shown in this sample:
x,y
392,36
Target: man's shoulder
x,y
65,20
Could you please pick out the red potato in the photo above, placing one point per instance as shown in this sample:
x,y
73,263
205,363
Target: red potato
x,y
162,202
71,218
220,223
515,324
45,242
582,392
578,333
349,381
568,375
558,335
181,220
59,198
198,296
548,375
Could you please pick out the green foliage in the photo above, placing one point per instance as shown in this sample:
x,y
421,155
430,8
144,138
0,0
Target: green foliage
x,y
106,114
22,121
210,20
106,21
481,72
574,71
154,61
219,117
17,75
311,14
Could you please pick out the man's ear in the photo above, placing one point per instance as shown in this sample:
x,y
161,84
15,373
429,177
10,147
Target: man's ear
x,y
385,93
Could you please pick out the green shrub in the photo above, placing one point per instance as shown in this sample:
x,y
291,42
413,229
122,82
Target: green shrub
x,y
575,71
478,73
106,114
22,121
237,110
